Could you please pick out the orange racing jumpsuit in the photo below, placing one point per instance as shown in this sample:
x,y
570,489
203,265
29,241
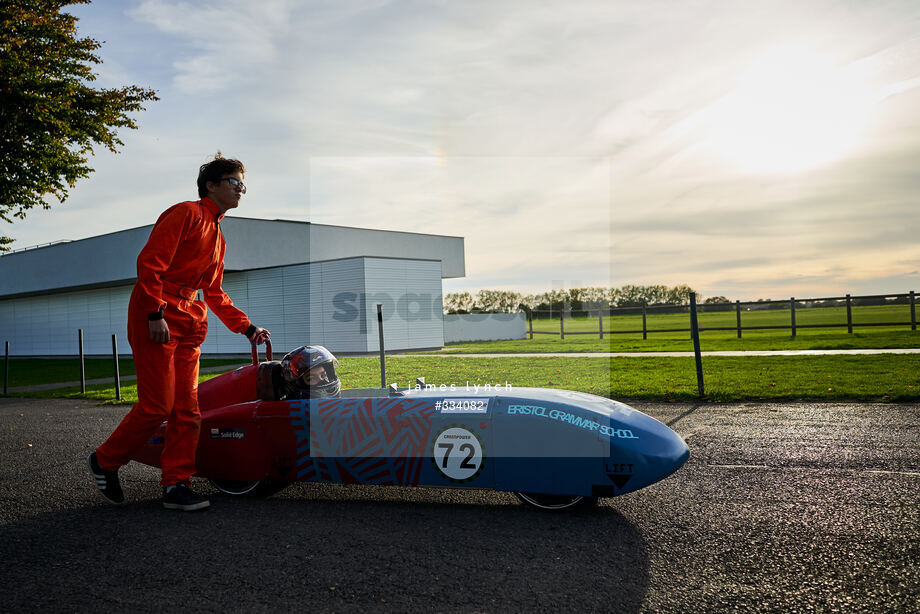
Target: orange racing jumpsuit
x,y
185,252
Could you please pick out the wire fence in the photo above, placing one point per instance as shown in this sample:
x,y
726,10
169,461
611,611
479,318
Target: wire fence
x,y
891,310
82,357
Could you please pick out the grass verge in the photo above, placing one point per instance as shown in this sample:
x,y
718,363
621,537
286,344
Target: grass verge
x,y
680,342
37,371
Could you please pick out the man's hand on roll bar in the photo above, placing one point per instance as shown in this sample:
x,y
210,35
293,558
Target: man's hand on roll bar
x,y
257,335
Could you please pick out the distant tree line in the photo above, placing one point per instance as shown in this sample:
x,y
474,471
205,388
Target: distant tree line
x,y
575,300
581,301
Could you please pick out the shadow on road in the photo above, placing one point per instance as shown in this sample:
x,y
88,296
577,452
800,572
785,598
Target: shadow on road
x,y
326,549
684,415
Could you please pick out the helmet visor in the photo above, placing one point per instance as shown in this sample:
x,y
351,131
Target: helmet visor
x,y
322,381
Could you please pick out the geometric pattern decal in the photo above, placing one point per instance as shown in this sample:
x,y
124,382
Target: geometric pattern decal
x,y
300,420
362,441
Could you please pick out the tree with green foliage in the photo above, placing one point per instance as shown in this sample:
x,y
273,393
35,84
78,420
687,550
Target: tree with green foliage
x,y
50,118
458,302
578,301
680,295
498,301
595,297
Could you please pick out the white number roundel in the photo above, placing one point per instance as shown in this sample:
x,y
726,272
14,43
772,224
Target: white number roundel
x,y
458,454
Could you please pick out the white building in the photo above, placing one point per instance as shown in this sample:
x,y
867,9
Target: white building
x,y
307,283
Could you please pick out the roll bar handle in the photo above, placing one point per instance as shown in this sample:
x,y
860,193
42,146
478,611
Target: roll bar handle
x,y
268,352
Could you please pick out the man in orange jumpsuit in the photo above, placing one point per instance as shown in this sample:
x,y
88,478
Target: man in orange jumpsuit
x,y
166,327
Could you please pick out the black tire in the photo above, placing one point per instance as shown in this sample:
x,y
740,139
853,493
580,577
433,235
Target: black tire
x,y
554,503
249,488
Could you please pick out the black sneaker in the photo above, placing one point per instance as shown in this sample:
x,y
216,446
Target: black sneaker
x,y
180,497
106,481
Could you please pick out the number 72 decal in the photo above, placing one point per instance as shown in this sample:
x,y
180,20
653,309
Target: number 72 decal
x,y
458,454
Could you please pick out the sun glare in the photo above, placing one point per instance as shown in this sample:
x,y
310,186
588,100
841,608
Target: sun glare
x,y
793,109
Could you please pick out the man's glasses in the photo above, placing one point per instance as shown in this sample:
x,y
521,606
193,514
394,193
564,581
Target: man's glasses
x,y
234,182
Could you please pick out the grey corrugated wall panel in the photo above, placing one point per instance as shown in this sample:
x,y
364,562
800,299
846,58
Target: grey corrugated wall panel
x,y
57,325
386,284
220,340
295,306
316,332
96,339
425,331
339,278
265,290
76,314
7,321
38,329
47,325
412,303
118,317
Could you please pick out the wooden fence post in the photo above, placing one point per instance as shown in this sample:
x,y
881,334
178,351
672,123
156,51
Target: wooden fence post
x,y
849,315
82,363
792,313
695,332
6,367
117,375
380,342
644,327
738,314
913,312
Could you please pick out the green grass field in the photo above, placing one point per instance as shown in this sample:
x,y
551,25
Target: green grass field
x,y
820,378
814,339
900,336
36,371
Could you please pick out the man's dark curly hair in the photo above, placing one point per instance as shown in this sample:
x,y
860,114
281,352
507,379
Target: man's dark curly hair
x,y
214,171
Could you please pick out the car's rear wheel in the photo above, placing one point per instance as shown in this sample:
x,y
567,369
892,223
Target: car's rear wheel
x,y
554,503
250,488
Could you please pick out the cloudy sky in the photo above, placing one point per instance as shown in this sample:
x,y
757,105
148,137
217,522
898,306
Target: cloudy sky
x,y
749,149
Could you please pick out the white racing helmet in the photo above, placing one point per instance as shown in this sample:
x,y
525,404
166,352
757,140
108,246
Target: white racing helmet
x,y
306,363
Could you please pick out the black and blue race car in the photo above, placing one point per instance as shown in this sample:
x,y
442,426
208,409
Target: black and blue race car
x,y
555,449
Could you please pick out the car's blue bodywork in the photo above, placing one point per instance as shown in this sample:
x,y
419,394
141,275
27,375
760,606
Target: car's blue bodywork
x,y
523,440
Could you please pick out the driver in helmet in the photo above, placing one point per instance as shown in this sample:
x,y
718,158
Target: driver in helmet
x,y
309,373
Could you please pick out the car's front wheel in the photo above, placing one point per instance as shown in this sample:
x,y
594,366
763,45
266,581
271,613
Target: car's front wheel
x,y
250,488
554,503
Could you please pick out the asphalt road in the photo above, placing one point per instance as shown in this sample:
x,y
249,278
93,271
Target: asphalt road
x,y
782,507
